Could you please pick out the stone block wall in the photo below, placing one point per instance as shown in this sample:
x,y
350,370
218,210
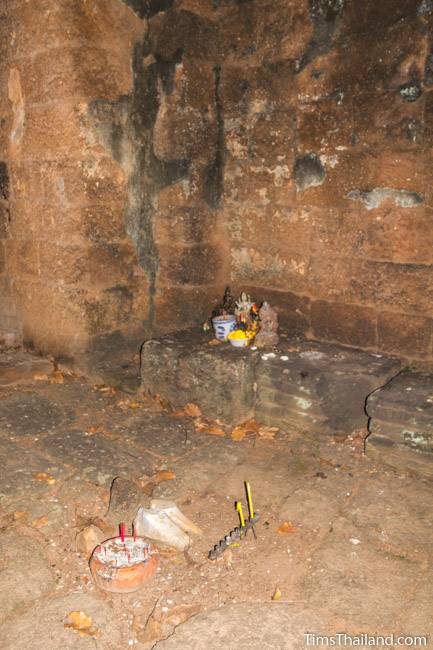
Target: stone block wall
x,y
328,171
157,150
10,332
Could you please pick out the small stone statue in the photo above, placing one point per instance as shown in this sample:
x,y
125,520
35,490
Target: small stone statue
x,y
268,334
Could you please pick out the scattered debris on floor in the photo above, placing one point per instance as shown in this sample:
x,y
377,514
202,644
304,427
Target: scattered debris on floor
x,y
90,463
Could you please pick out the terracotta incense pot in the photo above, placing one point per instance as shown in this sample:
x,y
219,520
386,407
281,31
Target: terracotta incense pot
x,y
123,565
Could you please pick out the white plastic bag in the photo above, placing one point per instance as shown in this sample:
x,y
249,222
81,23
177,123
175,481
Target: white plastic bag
x,y
164,522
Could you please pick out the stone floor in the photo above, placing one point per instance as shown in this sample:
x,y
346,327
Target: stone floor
x,y
356,556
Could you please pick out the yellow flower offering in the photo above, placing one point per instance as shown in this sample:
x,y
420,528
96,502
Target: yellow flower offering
x,y
239,335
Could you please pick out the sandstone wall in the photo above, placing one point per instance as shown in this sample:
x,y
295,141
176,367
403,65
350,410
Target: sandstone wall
x,y
111,145
10,329
328,173
156,150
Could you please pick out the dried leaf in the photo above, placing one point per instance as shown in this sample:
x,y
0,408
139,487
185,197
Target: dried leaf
x,y
287,527
57,377
40,376
267,432
215,430
46,478
238,434
164,475
192,410
40,522
81,623
215,342
246,428
277,594
177,414
103,388
20,514
92,430
123,404
203,426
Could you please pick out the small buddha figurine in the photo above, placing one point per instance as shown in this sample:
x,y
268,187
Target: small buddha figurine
x,y
268,334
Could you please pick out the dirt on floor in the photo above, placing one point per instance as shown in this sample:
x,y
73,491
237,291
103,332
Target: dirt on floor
x,y
343,544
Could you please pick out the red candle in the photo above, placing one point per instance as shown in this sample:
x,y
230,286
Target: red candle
x,y
122,532
135,533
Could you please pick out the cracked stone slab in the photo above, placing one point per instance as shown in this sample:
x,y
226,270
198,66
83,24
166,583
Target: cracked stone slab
x,y
53,634
97,459
30,414
318,388
385,520
19,468
25,574
358,583
401,416
245,626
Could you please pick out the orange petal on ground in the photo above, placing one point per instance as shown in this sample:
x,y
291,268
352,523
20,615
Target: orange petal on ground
x,y
286,527
192,410
164,475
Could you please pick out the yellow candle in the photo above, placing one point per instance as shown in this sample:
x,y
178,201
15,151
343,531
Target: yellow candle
x,y
249,499
241,514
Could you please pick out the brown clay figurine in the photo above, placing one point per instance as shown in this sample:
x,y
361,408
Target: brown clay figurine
x,y
268,334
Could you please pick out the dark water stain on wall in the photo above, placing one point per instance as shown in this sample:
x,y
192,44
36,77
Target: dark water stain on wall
x,y
148,8
214,174
324,16
4,181
126,129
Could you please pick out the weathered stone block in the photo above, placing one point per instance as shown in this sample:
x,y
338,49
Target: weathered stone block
x,y
185,225
350,324
252,183
22,256
401,416
4,219
405,334
53,130
254,265
58,23
187,305
400,170
404,287
290,229
171,32
68,184
84,72
319,388
325,125
398,235
183,368
341,233
195,264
